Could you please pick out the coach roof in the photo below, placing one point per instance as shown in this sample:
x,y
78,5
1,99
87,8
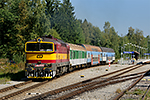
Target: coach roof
x,y
104,49
91,48
76,47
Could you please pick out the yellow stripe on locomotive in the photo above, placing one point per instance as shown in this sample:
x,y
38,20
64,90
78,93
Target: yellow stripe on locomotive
x,y
39,56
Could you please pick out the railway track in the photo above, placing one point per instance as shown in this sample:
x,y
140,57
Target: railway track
x,y
14,86
90,84
145,94
138,90
9,95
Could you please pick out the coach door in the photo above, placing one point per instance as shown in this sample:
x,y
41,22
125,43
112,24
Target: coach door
x,y
99,59
91,59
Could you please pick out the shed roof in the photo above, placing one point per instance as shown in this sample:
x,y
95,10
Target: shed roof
x,y
135,52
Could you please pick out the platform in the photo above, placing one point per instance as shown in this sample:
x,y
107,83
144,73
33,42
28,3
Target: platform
x,y
129,62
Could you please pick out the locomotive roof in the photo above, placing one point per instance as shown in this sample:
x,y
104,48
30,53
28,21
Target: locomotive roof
x,y
76,47
48,40
91,48
104,49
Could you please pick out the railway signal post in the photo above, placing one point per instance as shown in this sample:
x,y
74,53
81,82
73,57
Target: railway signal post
x,y
109,64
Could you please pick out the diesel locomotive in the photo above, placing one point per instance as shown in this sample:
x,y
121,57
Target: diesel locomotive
x,y
47,57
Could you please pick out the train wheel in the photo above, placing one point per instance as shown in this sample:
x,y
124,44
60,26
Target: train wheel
x,y
54,74
59,72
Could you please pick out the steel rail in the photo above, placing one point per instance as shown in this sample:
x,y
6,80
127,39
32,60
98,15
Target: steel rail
x,y
79,91
147,90
79,84
23,90
122,93
14,86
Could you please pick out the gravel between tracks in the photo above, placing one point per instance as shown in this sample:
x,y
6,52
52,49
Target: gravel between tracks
x,y
98,94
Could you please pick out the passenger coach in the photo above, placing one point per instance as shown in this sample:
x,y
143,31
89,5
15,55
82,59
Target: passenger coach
x,y
78,56
93,54
108,55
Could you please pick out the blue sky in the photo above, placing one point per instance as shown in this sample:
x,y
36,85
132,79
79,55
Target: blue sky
x,y
120,13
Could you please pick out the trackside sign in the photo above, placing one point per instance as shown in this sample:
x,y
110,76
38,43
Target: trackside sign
x,y
146,53
128,52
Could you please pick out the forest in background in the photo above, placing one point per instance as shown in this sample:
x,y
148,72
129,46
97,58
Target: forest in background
x,y
23,20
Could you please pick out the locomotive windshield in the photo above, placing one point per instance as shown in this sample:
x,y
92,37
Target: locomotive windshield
x,y
39,47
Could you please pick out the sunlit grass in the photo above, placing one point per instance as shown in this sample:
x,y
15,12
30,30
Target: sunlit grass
x,y
10,71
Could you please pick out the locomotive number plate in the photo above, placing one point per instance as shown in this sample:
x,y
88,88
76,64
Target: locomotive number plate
x,y
40,56
41,65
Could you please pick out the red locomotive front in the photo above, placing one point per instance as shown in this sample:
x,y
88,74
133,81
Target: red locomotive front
x,y
46,57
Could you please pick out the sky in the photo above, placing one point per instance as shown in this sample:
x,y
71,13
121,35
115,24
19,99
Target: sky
x,y
120,13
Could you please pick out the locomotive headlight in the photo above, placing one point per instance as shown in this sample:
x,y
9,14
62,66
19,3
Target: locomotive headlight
x,y
39,39
29,69
46,65
49,65
29,65
32,65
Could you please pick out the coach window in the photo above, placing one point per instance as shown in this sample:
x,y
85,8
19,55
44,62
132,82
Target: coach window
x,y
78,54
85,55
88,55
74,54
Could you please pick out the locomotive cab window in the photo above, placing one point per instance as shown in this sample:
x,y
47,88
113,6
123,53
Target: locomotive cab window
x,y
39,47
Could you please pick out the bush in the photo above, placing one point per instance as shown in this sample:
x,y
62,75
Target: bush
x,y
11,71
18,58
21,65
9,67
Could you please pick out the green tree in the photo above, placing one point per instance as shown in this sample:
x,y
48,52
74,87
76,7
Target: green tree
x,y
131,35
8,19
63,20
110,38
96,36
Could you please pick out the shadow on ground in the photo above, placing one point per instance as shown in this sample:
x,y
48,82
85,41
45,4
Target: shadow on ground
x,y
20,76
